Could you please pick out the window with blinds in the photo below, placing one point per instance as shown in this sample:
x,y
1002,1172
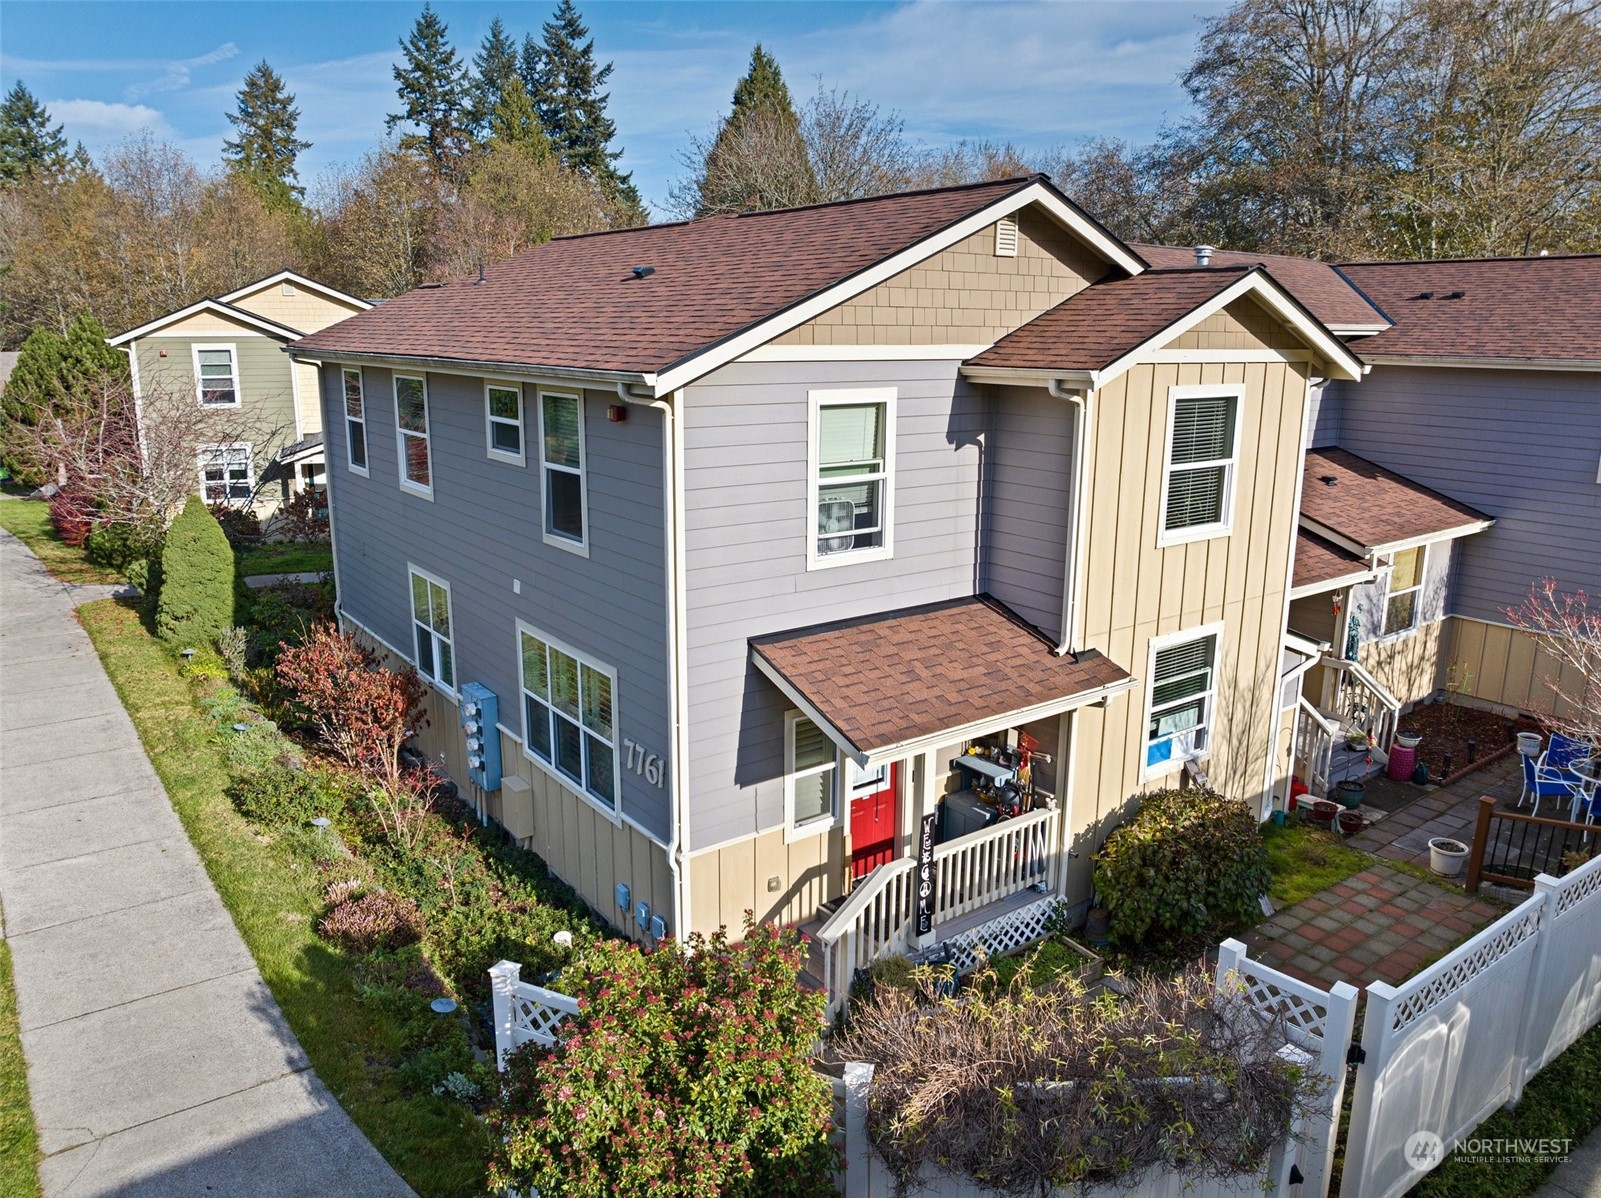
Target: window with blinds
x,y
1202,445
810,774
561,420
852,474
1403,591
216,376
225,475
1183,680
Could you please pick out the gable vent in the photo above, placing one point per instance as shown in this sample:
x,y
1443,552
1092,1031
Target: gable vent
x,y
288,287
1006,237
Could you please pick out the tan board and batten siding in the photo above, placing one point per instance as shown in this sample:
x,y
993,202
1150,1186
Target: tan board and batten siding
x,y
963,295
1503,666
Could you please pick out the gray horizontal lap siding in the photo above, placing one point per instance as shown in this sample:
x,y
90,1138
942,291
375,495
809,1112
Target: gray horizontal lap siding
x,y
1324,417
1028,504
484,528
1522,446
1434,600
746,524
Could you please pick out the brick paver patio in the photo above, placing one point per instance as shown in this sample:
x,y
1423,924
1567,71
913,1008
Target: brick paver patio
x,y
1445,811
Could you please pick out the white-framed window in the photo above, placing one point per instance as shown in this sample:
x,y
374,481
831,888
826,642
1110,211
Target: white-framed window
x,y
561,461
569,713
1181,698
431,628
1198,471
503,416
355,421
850,476
217,375
811,778
225,475
1403,590
411,430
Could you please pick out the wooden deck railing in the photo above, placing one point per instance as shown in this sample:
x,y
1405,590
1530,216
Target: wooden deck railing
x,y
1512,848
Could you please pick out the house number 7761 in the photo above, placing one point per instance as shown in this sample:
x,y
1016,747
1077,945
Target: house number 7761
x,y
647,765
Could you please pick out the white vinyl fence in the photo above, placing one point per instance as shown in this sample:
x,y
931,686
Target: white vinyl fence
x,y
1464,1036
1319,1024
523,1011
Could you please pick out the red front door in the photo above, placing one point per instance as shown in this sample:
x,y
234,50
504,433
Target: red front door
x,y
872,817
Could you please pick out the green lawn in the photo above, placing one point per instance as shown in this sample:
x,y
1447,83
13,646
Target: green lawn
x,y
19,1145
1305,860
287,557
275,897
29,521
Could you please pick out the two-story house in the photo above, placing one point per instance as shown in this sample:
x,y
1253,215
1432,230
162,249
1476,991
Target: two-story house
x,y
754,528
227,353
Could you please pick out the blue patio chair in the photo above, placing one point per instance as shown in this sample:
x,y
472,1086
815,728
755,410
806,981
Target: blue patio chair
x,y
1563,751
1540,783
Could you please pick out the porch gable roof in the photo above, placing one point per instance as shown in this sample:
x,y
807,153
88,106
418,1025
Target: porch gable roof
x,y
1364,508
903,681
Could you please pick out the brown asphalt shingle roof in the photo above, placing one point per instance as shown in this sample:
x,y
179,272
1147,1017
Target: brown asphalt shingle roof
x,y
1318,285
573,302
1100,324
1371,506
1509,307
885,679
1317,560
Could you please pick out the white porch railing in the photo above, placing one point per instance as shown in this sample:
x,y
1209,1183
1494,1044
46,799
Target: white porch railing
x,y
524,1012
876,920
1363,703
1314,748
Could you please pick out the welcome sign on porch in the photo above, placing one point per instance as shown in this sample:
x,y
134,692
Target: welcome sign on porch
x,y
925,875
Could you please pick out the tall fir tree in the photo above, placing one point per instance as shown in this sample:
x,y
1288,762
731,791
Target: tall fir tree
x,y
514,122
565,84
266,147
436,96
759,158
494,67
28,144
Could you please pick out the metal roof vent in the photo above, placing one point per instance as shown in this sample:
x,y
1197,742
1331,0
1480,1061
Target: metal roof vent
x,y
1453,295
1328,480
1203,254
1006,237
642,272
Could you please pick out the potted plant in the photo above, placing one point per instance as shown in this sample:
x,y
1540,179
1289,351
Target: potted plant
x,y
1409,740
1446,856
1357,741
1351,793
1350,822
1324,811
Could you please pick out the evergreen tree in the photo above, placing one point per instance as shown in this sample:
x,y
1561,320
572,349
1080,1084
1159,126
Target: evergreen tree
x,y
494,67
50,371
197,600
759,158
564,82
266,147
434,90
28,145
514,122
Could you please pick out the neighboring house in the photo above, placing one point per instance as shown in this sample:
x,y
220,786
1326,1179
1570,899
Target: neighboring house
x,y
753,525
228,353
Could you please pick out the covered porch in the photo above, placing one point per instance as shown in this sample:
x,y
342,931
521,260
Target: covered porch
x,y
951,721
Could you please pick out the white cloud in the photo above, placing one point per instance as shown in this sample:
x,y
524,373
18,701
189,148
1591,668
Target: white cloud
x,y
97,122
178,74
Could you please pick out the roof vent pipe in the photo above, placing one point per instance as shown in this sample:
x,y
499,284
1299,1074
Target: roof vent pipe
x,y
1203,254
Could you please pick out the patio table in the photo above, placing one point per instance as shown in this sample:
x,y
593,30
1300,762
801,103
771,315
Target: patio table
x,y
1588,772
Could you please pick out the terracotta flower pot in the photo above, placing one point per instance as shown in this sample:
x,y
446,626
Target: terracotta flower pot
x,y
1350,822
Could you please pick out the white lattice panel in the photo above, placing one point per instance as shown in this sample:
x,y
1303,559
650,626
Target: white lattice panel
x,y
1456,973
1577,887
1014,930
1299,1010
536,1013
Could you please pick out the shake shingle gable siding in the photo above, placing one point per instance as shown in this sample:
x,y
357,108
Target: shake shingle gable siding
x,y
1326,293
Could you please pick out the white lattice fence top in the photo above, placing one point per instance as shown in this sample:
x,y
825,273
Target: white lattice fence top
x,y
1304,1009
1439,983
1578,886
536,1013
1014,930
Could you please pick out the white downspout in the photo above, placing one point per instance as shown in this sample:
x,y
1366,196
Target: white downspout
x,y
1080,399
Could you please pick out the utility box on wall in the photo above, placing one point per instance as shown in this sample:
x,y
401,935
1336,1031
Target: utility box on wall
x,y
480,712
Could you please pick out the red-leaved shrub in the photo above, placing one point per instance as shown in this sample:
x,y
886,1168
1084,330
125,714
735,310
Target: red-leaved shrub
x,y
73,514
377,920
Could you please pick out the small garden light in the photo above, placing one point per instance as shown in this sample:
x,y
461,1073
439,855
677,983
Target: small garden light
x,y
241,727
564,938
443,1006
187,654
320,823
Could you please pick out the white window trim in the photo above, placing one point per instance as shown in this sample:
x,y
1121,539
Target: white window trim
x,y
816,401
366,442
1224,527
201,452
1417,605
490,420
401,434
581,547
233,358
613,813
450,614
1157,643
823,823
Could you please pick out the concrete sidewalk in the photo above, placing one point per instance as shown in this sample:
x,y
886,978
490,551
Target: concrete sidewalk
x,y
158,1062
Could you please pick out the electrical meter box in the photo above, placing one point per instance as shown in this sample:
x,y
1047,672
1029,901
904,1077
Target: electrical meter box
x,y
480,712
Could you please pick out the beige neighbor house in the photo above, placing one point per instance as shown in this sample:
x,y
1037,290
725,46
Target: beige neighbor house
x,y
228,353
779,562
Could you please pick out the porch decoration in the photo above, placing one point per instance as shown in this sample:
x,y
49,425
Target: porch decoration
x,y
1353,633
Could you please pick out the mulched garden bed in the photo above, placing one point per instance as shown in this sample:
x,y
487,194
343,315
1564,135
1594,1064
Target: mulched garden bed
x,y
1466,737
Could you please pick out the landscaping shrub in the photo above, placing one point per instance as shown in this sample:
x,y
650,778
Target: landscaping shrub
x,y
362,711
376,920
684,1073
1189,861
197,579
305,517
240,525
73,513
276,797
285,613
118,546
465,939
232,647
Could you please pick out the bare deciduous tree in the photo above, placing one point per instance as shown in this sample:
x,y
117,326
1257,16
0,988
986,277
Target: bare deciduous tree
x,y
1567,631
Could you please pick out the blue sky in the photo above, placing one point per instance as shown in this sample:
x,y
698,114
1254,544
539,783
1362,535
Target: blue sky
x,y
1039,74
